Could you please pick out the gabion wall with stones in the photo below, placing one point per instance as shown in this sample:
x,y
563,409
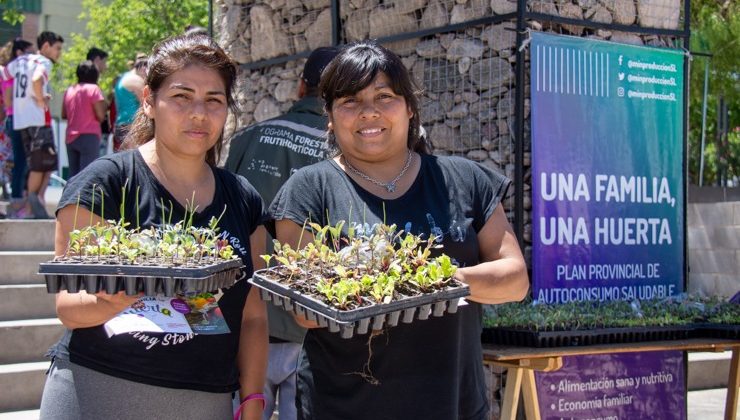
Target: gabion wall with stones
x,y
466,77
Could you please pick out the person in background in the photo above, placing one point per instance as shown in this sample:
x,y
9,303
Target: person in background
x,y
127,93
172,149
6,149
84,108
31,115
100,60
18,207
264,153
383,173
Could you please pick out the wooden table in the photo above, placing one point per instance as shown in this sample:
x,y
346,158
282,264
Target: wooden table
x,y
521,362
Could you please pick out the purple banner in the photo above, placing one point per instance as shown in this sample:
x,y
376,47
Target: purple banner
x,y
607,211
607,174
614,387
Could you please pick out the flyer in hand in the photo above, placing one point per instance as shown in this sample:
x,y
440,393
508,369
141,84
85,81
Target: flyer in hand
x,y
198,314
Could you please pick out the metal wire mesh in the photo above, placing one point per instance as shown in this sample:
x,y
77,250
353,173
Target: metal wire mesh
x,y
654,14
264,29
362,19
467,92
466,77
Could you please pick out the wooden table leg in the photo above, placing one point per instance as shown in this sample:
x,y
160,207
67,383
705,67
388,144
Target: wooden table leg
x,y
511,393
733,382
529,392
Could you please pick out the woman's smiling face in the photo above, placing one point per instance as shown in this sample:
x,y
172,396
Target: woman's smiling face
x,y
372,124
189,110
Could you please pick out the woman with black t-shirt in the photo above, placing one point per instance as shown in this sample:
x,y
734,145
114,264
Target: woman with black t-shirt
x,y
429,369
176,139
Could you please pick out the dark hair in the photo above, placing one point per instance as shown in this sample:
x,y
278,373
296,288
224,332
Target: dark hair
x,y
140,62
96,52
48,37
7,52
170,56
20,44
356,67
87,72
316,63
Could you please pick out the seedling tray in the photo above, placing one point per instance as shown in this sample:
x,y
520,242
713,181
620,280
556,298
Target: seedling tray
x,y
529,338
728,331
134,279
360,320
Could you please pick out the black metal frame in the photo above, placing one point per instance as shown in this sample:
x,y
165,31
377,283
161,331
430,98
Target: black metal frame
x,y
521,17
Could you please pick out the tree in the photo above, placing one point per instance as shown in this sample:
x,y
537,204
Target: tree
x,y
715,29
11,13
125,27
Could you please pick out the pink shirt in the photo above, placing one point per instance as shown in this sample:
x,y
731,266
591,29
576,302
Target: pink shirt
x,y
5,85
78,102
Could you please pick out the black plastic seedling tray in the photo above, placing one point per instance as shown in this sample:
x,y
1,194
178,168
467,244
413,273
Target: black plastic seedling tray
x,y
728,331
134,279
529,338
359,320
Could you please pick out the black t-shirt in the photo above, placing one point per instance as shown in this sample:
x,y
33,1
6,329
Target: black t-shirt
x,y
199,362
429,369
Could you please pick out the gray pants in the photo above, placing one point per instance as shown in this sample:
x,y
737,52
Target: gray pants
x,y
280,381
82,151
74,392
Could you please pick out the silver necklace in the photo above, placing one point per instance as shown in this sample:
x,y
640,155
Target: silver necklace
x,y
390,186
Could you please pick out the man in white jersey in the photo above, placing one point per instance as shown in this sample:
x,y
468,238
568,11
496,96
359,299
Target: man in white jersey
x,y
32,117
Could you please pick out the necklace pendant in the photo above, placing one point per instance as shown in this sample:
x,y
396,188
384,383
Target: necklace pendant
x,y
390,187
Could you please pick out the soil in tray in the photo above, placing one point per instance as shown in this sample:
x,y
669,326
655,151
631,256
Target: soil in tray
x,y
151,262
529,338
307,286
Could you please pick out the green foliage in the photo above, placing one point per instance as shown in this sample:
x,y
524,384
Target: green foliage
x,y
374,268
613,314
715,29
172,245
169,244
124,27
11,13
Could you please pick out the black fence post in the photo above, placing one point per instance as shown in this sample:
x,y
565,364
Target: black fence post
x,y
210,18
519,118
336,23
686,83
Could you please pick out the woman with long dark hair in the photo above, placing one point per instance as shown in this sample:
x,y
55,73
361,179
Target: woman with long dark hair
x,y
173,146
382,173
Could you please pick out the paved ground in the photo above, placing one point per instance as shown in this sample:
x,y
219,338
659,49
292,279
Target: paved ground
x,y
707,405
703,405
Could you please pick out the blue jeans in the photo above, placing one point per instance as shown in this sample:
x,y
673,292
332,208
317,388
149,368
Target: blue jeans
x,y
18,181
281,375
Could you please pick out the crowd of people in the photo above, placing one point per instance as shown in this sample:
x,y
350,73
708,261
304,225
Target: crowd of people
x,y
358,114
28,152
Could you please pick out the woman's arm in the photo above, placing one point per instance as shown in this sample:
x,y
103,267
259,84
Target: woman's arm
x,y
64,107
100,107
8,96
253,348
82,310
287,231
502,276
